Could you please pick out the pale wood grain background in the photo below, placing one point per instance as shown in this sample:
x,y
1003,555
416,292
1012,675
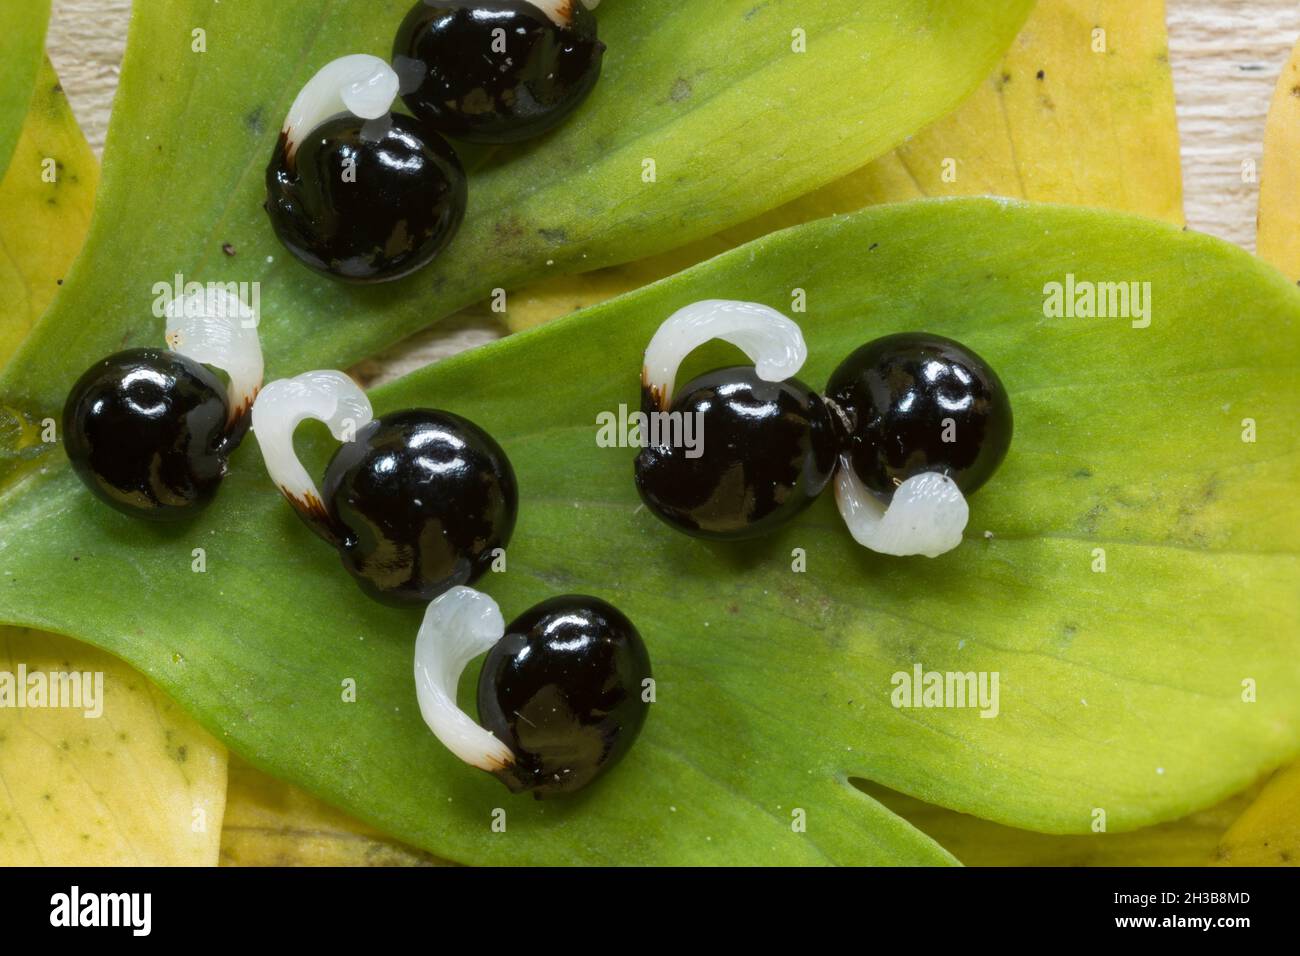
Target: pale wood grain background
x,y
1226,56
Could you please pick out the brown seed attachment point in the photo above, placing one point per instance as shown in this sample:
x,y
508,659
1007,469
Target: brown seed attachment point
x,y
654,398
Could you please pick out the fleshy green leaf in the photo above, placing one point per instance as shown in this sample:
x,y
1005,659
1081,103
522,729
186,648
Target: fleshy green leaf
x,y
22,44
734,120
1109,95
1121,691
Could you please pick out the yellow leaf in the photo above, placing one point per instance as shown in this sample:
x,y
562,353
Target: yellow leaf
x,y
46,198
1268,831
1186,842
140,784
1096,128
272,823
1277,238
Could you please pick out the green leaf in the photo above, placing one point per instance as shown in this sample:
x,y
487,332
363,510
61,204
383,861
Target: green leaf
x,y
22,46
1120,691
735,121
1115,111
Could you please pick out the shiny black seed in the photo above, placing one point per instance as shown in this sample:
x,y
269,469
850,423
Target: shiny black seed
x,y
366,201
768,450
564,690
496,71
917,402
421,499
146,430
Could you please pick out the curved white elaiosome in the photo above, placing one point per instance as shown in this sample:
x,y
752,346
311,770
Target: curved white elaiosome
x,y
216,327
773,342
926,515
360,84
329,396
458,626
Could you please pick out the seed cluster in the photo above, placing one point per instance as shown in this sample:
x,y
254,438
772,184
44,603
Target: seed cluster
x,y
419,503
363,194
908,425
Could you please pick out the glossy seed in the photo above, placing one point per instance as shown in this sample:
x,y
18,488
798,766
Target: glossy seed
x,y
366,200
767,452
497,71
421,501
566,689
915,403
146,431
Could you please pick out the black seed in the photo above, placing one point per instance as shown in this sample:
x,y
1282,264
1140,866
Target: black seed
x,y
564,691
904,395
146,430
366,202
421,498
474,90
768,451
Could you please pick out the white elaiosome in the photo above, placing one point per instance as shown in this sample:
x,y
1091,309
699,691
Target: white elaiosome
x,y
216,327
329,396
773,343
458,626
926,515
360,84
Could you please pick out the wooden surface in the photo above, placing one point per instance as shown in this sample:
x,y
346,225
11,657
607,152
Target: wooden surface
x,y
1225,54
